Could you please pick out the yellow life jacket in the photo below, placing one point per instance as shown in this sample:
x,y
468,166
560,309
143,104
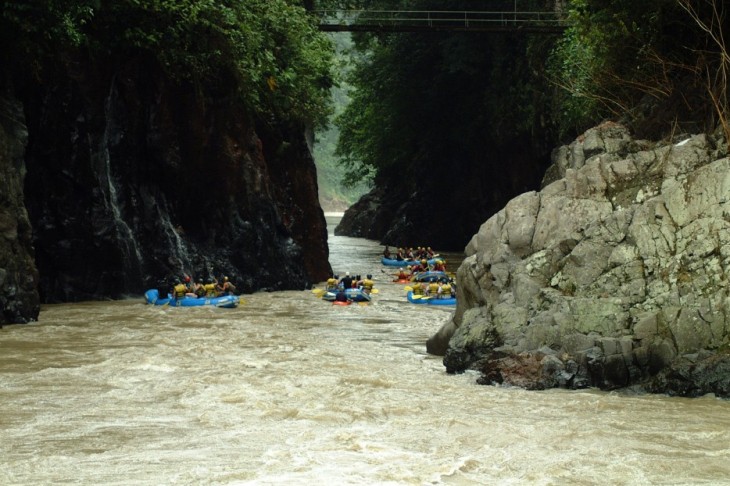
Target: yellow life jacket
x,y
418,290
180,290
446,290
331,283
368,284
210,290
433,287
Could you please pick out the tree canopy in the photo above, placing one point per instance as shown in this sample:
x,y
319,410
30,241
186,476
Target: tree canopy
x,y
269,51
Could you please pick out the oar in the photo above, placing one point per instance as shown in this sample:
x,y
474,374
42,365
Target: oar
x,y
418,297
319,292
374,291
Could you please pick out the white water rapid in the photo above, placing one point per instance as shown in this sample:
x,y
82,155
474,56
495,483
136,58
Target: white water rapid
x,y
290,390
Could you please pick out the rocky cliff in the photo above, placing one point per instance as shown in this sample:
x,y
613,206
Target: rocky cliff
x,y
19,301
614,274
133,177
442,206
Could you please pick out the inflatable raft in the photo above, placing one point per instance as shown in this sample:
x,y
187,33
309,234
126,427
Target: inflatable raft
x,y
425,300
404,263
429,276
152,296
356,295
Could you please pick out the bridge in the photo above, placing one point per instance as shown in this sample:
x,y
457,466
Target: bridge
x,y
440,20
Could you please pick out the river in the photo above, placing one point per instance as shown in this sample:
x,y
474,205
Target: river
x,y
289,389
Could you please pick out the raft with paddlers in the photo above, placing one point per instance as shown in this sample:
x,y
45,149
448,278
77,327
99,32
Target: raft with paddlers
x,y
152,296
404,263
355,295
430,276
429,300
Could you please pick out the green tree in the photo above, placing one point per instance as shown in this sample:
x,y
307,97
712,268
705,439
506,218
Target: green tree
x,y
269,51
426,99
619,57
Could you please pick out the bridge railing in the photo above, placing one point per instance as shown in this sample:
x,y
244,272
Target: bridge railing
x,y
434,19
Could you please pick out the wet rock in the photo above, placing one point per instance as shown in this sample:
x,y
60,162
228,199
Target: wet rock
x,y
619,264
132,176
19,298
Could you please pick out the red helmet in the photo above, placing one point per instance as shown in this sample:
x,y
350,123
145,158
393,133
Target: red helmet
x,y
187,278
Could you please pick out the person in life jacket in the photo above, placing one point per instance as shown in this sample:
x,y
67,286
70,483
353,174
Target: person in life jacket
x,y
444,291
189,286
433,288
402,275
331,283
422,267
179,290
199,289
439,266
368,284
210,288
418,289
386,252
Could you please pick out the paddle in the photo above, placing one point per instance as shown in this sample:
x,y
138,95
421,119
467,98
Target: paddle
x,y
418,297
374,291
319,292
407,288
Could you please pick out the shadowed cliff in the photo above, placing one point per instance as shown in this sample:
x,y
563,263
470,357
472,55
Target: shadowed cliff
x,y
132,178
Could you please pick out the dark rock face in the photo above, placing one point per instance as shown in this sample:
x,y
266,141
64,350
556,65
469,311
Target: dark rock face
x,y
132,178
19,301
443,207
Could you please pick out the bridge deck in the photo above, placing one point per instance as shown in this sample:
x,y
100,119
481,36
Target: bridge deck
x,y
444,20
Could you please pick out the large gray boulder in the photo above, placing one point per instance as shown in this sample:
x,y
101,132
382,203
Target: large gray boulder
x,y
614,274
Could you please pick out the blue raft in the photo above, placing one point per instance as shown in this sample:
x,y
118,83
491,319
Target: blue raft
x,y
430,276
418,299
152,296
404,263
356,295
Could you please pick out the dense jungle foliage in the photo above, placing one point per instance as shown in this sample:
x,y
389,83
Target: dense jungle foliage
x,y
269,52
418,99
334,193
656,66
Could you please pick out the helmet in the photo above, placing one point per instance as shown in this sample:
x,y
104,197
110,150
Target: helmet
x,y
369,277
424,261
400,269
225,279
347,274
187,278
